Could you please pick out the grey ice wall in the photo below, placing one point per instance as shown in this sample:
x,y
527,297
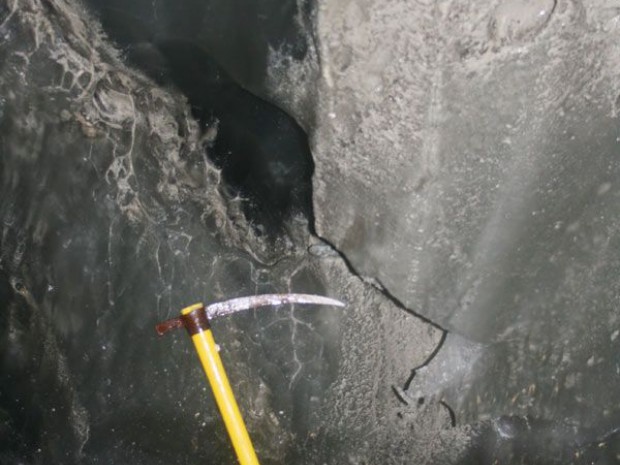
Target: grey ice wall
x,y
466,169
467,159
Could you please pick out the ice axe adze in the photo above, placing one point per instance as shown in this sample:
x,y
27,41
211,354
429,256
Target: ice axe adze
x,y
195,319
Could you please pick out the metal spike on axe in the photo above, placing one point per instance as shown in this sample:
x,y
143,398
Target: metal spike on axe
x,y
195,319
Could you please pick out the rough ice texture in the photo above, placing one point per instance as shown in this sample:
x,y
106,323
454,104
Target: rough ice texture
x,y
112,220
464,163
467,160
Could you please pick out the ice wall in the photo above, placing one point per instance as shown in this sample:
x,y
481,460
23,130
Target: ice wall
x,y
467,159
466,168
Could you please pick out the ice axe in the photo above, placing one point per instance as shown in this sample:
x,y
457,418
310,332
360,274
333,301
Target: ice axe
x,y
195,319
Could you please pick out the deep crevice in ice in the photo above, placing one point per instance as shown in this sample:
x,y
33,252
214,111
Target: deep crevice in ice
x,y
262,151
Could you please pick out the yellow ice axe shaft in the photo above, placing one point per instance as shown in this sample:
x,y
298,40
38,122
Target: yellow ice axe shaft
x,y
197,324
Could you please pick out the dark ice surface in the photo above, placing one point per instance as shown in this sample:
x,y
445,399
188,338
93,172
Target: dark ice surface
x,y
113,220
